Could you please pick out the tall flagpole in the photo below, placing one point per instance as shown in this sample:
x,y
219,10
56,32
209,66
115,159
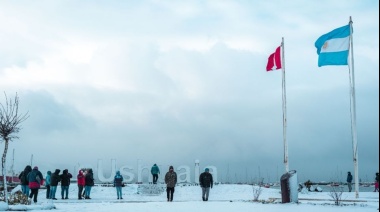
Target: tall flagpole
x,y
353,117
284,107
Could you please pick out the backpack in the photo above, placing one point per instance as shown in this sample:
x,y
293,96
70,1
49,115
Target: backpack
x,y
38,179
23,178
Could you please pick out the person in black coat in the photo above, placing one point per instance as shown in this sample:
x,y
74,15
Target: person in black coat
x,y
349,181
65,183
206,182
54,180
89,182
24,180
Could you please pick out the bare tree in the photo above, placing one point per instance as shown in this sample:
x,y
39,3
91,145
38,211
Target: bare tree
x,y
10,120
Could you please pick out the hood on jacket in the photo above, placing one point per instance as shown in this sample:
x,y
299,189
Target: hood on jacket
x,y
57,171
48,172
28,168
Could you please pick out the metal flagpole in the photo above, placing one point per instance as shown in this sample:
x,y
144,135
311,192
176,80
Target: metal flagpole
x,y
284,107
353,116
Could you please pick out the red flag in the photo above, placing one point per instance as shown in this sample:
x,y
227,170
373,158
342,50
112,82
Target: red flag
x,y
274,60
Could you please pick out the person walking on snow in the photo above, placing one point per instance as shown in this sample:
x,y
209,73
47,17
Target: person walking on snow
x,y
171,181
24,180
206,182
376,182
35,178
155,172
118,183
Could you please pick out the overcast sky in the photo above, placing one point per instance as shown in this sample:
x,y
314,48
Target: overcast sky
x,y
169,82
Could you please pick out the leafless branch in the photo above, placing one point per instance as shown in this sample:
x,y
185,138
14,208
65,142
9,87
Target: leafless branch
x,y
256,192
10,119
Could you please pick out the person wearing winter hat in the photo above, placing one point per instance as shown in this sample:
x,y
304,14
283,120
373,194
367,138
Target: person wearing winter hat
x,y
171,181
206,182
118,183
35,178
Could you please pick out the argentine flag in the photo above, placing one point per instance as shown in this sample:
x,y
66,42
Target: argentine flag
x,y
332,47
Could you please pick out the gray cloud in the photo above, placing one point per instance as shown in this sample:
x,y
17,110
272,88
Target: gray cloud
x,y
174,86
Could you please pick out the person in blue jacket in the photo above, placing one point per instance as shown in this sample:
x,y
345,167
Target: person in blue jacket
x,y
155,172
47,184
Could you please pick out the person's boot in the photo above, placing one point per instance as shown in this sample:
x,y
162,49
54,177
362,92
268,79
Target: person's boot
x,y
203,199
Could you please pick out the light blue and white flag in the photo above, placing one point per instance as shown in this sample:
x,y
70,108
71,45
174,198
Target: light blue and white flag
x,y
332,47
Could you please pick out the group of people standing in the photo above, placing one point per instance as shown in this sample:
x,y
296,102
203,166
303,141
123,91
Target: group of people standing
x,y
85,181
32,179
205,181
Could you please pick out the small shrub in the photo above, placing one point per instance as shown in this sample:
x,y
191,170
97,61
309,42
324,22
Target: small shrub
x,y
18,198
336,194
256,192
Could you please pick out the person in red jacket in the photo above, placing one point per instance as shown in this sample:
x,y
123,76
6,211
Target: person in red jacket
x,y
35,180
81,183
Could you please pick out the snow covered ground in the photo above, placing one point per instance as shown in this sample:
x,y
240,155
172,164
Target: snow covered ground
x,y
223,198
